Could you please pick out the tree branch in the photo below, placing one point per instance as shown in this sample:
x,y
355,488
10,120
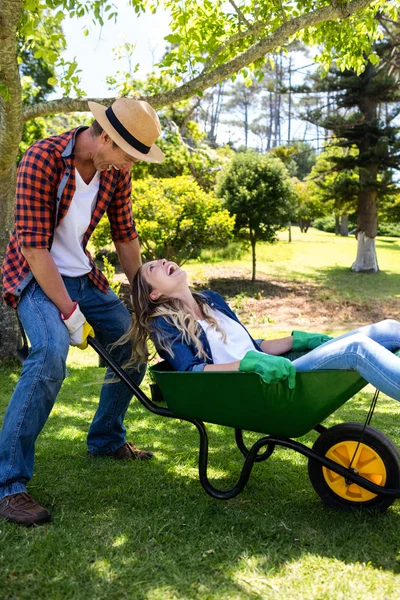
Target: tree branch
x,y
210,78
240,14
256,51
234,38
62,105
282,11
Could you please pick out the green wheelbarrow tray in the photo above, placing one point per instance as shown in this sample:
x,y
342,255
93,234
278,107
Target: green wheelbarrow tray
x,y
244,401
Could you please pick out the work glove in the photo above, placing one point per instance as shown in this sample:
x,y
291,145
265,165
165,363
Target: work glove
x,y
308,341
270,368
78,328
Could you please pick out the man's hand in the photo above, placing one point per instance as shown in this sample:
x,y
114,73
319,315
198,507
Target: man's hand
x,y
78,328
270,368
308,341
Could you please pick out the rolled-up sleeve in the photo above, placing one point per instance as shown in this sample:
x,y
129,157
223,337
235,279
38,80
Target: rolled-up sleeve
x,y
122,224
35,199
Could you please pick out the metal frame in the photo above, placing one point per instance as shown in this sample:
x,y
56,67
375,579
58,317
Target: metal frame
x,y
251,455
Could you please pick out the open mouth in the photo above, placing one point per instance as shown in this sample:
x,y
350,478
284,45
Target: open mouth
x,y
171,269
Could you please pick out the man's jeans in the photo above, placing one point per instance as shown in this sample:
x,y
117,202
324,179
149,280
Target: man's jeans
x,y
44,371
366,350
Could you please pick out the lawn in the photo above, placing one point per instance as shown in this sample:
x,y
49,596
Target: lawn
x,y
148,530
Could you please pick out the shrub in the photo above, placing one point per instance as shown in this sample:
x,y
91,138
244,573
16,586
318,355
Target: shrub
x,y
176,219
389,229
325,224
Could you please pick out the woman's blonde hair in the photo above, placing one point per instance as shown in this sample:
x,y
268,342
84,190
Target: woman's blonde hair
x,y
173,310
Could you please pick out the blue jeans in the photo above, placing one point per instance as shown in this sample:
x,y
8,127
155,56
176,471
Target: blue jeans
x,y
44,371
367,350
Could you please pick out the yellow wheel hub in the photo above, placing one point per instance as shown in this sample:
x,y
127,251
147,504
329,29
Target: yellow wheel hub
x,y
367,462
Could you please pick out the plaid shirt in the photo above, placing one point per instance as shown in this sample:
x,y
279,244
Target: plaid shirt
x,y
45,188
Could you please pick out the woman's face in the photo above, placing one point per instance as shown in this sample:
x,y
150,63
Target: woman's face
x,y
165,278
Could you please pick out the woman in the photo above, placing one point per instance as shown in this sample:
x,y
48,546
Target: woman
x,y
199,332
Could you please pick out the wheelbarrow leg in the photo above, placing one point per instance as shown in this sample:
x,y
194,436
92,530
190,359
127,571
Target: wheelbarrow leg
x,y
250,459
245,451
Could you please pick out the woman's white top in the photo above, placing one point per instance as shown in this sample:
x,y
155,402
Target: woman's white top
x,y
238,341
67,250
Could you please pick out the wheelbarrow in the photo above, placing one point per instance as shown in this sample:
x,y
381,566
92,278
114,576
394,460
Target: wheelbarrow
x,y
351,465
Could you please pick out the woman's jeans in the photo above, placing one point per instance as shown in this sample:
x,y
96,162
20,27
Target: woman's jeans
x,y
367,350
44,371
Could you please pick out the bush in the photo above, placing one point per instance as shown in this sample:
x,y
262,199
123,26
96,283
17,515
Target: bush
x,y
325,224
109,272
384,229
389,229
176,219
101,236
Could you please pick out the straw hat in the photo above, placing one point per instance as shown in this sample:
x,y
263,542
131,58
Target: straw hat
x,y
133,125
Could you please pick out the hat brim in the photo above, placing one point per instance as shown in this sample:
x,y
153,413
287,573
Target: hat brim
x,y
99,112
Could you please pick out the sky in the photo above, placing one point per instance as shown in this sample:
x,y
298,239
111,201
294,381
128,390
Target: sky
x,y
95,52
96,59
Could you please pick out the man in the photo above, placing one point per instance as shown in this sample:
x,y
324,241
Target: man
x,y
65,184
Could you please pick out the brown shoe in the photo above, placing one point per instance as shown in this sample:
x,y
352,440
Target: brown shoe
x,y
128,451
23,510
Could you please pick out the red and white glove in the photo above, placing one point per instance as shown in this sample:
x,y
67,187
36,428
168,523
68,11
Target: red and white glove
x,y
78,328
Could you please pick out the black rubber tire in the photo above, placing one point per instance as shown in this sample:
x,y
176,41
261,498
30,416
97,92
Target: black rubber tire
x,y
381,444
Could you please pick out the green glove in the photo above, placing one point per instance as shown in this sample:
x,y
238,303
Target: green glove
x,y
270,368
308,341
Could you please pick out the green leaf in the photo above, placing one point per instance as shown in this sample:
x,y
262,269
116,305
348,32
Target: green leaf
x,y
173,38
52,81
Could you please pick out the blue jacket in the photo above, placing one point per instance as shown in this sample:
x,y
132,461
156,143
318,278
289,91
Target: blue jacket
x,y
185,358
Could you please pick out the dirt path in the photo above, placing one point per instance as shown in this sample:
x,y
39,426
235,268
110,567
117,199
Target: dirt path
x,y
289,303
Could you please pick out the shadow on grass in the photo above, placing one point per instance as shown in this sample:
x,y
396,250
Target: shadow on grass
x,y
362,286
148,530
261,288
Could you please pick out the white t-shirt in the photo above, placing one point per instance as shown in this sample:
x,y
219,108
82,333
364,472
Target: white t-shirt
x,y
238,342
67,250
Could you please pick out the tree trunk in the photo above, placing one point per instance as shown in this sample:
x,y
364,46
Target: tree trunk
x,y
271,121
337,225
290,100
366,260
367,215
367,227
9,332
344,225
290,231
246,123
10,136
253,253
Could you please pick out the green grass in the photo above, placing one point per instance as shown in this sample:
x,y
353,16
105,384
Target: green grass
x,y
319,258
149,531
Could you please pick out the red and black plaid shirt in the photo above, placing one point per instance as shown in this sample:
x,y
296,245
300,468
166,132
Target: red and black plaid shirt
x,y
39,175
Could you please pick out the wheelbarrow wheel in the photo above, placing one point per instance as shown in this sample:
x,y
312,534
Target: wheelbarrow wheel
x,y
376,458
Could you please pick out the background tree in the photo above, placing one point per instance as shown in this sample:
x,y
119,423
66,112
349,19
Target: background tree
x,y
209,43
358,123
258,191
308,205
304,156
241,99
335,188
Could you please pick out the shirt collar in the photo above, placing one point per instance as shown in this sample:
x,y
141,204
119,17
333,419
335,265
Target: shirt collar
x,y
67,152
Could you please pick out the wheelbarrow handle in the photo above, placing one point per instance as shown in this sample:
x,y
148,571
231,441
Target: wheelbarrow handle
x,y
123,375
